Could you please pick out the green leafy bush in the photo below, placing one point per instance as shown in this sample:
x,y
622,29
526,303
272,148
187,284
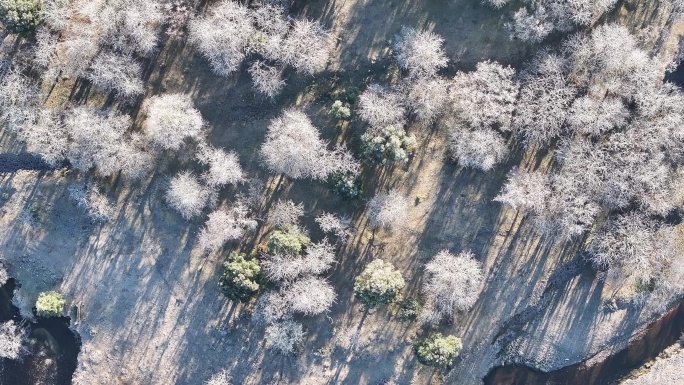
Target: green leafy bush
x,y
288,240
409,309
340,110
347,185
50,304
438,351
387,145
379,283
240,280
20,15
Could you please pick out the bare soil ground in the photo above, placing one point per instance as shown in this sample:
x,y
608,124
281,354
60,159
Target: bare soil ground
x,y
145,300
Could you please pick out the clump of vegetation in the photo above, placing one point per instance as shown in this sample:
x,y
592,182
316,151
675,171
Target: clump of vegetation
x,y
11,340
240,280
387,145
438,351
50,304
409,309
20,15
287,240
380,282
347,185
340,110
388,211
219,378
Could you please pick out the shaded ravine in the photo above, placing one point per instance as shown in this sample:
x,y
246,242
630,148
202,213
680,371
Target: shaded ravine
x,y
657,337
52,348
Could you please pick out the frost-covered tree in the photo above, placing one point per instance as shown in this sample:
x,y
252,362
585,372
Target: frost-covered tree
x,y
88,196
115,72
223,35
479,148
100,141
285,212
317,258
485,98
219,378
379,107
454,284
267,79
132,26
18,101
306,47
545,98
380,282
592,116
55,13
309,295
438,351
271,307
284,336
188,196
294,147
171,120
419,52
11,340
427,98
341,226
45,50
224,167
47,136
225,225
388,211
526,190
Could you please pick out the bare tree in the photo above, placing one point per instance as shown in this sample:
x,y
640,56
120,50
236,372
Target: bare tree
x,y
55,13
309,295
18,101
388,211
47,136
45,50
454,284
223,35
171,119
380,107
226,225
284,336
306,47
219,378
267,79
271,307
590,116
419,52
115,72
132,25
188,196
224,167
285,213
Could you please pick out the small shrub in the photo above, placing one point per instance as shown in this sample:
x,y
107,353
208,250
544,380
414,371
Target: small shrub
x,y
240,280
340,110
20,15
88,196
387,145
288,240
347,185
409,309
50,304
380,282
438,351
284,336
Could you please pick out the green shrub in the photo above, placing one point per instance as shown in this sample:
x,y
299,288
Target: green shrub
x,y
409,309
387,145
20,15
347,185
379,283
50,304
340,110
240,280
438,351
288,240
